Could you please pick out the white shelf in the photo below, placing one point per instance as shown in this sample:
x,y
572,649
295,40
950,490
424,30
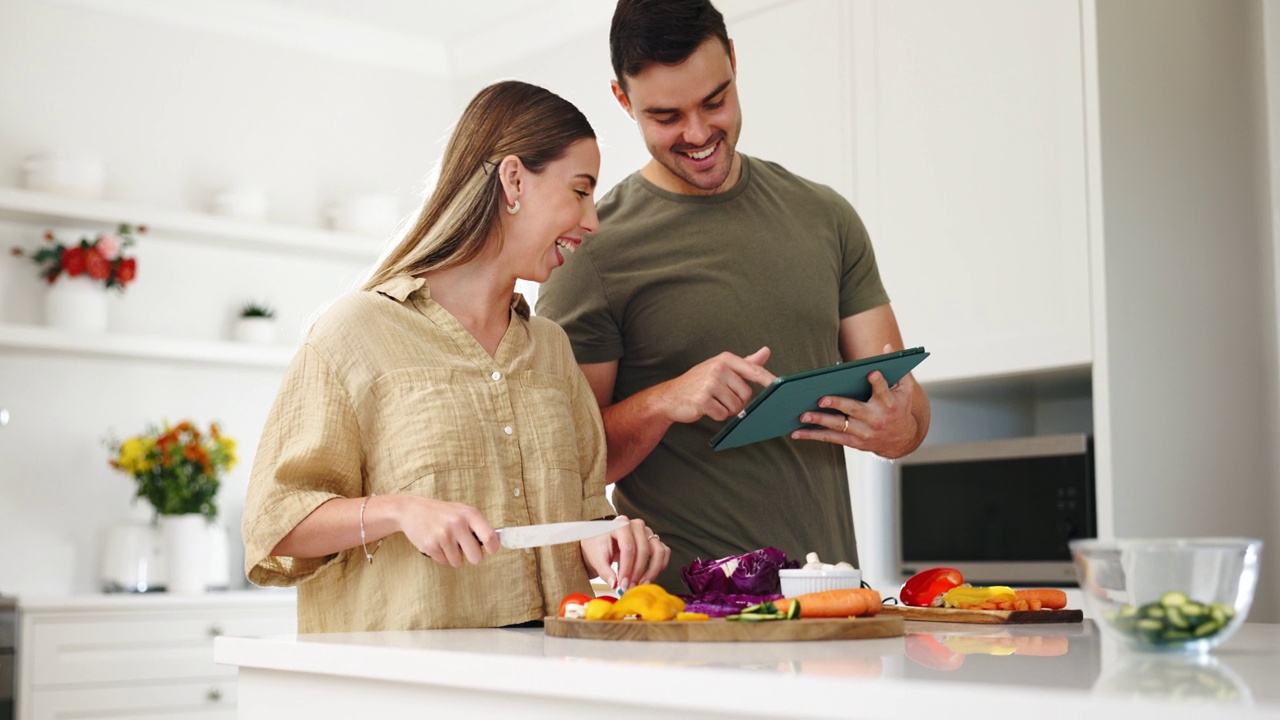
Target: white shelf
x,y
44,209
206,352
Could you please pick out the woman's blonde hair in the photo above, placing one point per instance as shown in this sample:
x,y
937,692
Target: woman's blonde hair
x,y
506,118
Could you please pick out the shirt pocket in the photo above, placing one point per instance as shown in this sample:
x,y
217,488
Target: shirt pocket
x,y
548,418
427,424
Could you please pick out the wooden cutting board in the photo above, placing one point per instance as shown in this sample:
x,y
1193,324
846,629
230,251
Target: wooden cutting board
x,y
721,630
989,617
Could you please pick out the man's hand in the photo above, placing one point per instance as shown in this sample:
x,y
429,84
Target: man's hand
x,y
718,388
886,424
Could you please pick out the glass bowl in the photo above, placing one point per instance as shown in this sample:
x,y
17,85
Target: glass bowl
x,y
1168,594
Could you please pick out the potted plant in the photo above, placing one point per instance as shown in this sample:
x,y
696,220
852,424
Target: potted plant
x,y
178,469
256,323
80,271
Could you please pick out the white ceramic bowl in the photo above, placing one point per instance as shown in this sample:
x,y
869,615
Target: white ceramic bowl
x,y
245,202
1168,594
77,176
799,582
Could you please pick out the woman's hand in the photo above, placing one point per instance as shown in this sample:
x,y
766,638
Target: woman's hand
x,y
640,555
446,532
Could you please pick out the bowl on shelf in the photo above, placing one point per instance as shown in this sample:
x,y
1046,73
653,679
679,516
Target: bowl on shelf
x,y
798,582
1168,594
67,174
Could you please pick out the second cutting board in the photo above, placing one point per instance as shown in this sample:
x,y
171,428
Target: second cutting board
x,y
985,617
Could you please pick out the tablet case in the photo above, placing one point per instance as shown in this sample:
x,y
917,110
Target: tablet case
x,y
776,410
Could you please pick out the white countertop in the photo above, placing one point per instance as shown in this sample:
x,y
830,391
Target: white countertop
x,y
282,597
972,667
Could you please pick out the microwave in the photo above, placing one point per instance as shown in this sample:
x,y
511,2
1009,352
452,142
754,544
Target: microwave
x,y
1001,511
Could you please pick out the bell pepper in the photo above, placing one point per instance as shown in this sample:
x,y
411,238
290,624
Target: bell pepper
x,y
691,616
965,595
597,608
926,588
646,602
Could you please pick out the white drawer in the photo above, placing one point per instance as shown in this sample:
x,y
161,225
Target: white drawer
x,y
127,646
204,701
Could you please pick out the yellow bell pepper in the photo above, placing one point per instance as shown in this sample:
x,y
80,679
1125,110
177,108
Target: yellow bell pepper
x,y
647,602
690,616
965,595
596,609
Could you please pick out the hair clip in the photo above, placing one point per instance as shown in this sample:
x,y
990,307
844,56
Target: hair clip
x,y
489,166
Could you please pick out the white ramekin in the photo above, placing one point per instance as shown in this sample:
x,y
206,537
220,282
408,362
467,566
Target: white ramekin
x,y
799,582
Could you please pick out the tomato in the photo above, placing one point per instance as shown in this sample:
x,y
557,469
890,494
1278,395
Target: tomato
x,y
926,585
578,599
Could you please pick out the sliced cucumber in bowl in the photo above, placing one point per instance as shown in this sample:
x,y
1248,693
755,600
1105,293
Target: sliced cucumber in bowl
x,y
1173,620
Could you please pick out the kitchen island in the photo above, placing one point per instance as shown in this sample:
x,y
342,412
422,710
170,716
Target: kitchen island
x,y
1054,671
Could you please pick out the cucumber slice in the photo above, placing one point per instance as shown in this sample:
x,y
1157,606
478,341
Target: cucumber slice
x,y
1176,618
793,611
1173,598
1206,629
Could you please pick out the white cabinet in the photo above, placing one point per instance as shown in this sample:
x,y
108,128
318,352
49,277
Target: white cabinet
x,y
125,657
971,177
1069,184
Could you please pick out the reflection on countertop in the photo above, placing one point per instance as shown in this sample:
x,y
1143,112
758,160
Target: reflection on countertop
x,y
1073,662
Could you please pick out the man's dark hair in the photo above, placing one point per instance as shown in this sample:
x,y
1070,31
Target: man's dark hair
x,y
660,31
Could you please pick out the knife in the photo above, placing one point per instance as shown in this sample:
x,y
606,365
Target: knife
x,y
526,536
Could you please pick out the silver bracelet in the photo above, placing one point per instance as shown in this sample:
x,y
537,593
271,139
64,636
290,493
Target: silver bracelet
x,y
367,555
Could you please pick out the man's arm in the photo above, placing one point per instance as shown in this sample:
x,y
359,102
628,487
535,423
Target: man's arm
x,y
718,388
894,421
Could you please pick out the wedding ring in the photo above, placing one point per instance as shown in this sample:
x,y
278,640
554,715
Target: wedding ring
x,y
845,429
653,536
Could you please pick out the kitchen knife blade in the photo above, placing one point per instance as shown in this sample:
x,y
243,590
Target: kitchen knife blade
x,y
526,536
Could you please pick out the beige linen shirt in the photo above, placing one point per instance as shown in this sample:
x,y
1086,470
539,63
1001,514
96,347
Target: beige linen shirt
x,y
390,394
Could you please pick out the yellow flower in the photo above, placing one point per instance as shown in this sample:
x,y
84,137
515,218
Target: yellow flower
x,y
134,455
228,447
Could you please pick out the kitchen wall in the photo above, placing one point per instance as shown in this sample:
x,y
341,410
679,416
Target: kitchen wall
x,y
176,113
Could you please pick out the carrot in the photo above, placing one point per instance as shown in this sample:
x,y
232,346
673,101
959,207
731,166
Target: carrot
x,y
850,602
1049,597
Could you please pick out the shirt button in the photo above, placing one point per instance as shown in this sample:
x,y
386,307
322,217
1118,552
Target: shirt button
x,y
496,375
516,492
507,430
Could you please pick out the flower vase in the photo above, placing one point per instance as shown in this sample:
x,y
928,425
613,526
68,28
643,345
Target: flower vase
x,y
76,303
186,544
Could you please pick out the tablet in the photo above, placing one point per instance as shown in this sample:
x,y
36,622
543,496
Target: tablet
x,y
776,410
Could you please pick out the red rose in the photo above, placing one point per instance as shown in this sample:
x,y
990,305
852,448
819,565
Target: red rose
x,y
126,271
98,266
73,260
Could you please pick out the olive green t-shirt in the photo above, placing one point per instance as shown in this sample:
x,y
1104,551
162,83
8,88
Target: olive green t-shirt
x,y
672,280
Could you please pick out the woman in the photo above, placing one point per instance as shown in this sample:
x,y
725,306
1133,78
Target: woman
x,y
430,408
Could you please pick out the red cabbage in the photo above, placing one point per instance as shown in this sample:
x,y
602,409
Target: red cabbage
x,y
753,573
719,604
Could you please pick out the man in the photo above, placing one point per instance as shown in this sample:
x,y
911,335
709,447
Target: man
x,y
709,265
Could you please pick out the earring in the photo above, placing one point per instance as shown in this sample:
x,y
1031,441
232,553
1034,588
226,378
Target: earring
x,y
513,209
